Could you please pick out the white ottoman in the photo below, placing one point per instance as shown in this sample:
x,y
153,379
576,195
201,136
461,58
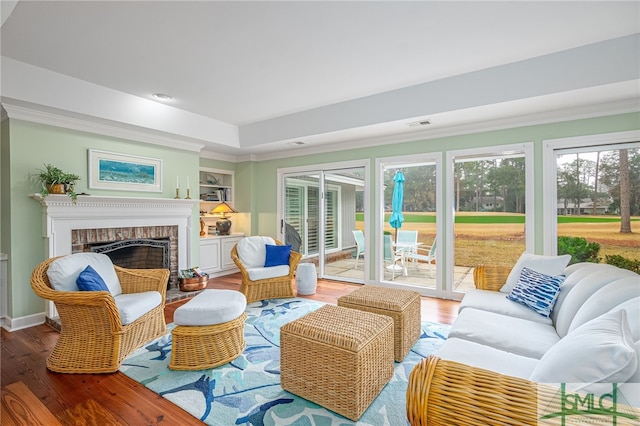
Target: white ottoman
x,y
306,278
209,330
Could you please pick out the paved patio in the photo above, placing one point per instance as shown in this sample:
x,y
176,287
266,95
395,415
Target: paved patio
x,y
416,275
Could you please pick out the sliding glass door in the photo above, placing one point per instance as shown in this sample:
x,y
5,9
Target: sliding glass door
x,y
322,210
409,247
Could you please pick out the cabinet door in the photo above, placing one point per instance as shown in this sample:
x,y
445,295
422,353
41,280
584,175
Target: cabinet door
x,y
210,255
227,246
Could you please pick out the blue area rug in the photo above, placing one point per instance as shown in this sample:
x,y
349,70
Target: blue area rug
x,y
247,391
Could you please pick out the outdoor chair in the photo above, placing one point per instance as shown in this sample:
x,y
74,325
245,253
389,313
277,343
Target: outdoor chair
x,y
407,240
267,267
391,258
425,254
359,236
99,329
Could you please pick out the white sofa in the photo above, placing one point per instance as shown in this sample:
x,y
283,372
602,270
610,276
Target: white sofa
x,y
590,340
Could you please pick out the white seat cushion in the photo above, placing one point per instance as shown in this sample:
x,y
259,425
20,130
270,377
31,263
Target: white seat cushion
x,y
567,307
64,272
252,251
606,299
576,273
481,356
134,305
211,307
262,273
523,337
496,301
599,351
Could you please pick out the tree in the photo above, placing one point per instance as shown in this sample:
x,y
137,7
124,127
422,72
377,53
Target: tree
x,y
625,213
610,179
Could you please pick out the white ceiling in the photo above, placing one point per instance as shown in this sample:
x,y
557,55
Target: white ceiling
x,y
248,77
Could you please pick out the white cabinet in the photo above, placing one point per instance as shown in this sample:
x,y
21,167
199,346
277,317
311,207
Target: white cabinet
x,y
215,254
210,255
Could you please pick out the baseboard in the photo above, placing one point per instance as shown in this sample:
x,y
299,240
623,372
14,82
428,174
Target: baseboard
x,y
14,324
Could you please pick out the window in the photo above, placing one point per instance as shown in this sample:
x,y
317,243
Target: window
x,y
593,192
491,209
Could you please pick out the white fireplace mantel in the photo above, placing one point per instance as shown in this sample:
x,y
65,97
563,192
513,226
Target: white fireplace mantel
x,y
60,216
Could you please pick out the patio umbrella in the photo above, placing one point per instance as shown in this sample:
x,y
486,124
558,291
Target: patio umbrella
x,y
397,203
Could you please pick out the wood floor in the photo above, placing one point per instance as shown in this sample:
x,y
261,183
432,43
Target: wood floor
x,y
114,399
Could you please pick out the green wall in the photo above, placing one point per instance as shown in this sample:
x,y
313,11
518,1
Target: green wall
x,y
264,180
31,145
26,146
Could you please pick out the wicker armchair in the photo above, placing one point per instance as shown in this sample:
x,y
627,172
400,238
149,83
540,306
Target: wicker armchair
x,y
93,338
490,277
269,288
442,392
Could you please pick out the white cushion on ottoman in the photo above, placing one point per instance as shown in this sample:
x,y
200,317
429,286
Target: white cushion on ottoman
x,y
211,307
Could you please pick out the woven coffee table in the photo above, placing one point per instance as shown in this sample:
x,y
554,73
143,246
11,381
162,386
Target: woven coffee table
x,y
401,305
337,357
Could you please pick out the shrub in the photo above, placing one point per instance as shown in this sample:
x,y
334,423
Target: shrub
x,y
579,248
623,262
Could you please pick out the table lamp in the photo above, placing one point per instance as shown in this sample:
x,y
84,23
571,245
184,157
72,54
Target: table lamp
x,y
223,225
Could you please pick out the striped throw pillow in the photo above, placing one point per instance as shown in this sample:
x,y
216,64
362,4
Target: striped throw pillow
x,y
537,291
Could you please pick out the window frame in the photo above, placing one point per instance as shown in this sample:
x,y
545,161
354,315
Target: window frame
x,y
550,176
526,149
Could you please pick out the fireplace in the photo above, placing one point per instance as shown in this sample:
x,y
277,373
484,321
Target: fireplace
x,y
141,253
140,247
68,226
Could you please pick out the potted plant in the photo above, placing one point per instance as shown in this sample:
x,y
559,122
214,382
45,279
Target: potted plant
x,y
55,181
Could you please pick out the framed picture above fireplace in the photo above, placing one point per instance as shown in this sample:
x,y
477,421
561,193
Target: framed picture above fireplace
x,y
110,170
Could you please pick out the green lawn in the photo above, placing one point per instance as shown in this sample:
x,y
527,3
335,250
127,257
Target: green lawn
x,y
489,219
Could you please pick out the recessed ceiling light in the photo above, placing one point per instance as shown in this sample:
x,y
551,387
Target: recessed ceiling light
x,y
161,97
295,143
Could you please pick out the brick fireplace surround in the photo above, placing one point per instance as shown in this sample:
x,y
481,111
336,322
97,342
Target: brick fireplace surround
x,y
64,224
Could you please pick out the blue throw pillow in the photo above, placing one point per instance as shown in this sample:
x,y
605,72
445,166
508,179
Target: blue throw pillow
x,y
277,255
537,291
90,280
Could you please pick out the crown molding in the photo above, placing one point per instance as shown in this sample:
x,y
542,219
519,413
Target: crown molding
x,y
92,125
546,117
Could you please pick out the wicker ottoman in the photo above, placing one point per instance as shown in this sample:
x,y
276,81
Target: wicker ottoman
x,y
338,358
209,330
401,305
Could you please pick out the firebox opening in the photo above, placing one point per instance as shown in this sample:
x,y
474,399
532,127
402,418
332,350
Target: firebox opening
x,y
139,253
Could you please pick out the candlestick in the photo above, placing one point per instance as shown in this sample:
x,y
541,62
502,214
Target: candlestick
x,y
188,197
177,194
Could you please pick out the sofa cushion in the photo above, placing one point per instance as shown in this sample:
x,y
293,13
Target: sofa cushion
x,y
262,273
252,251
606,299
519,336
482,356
575,273
90,280
277,255
599,351
536,290
549,265
132,306
495,301
64,272
566,309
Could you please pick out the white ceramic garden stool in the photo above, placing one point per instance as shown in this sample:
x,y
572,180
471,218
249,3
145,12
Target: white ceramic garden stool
x,y
306,279
209,330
